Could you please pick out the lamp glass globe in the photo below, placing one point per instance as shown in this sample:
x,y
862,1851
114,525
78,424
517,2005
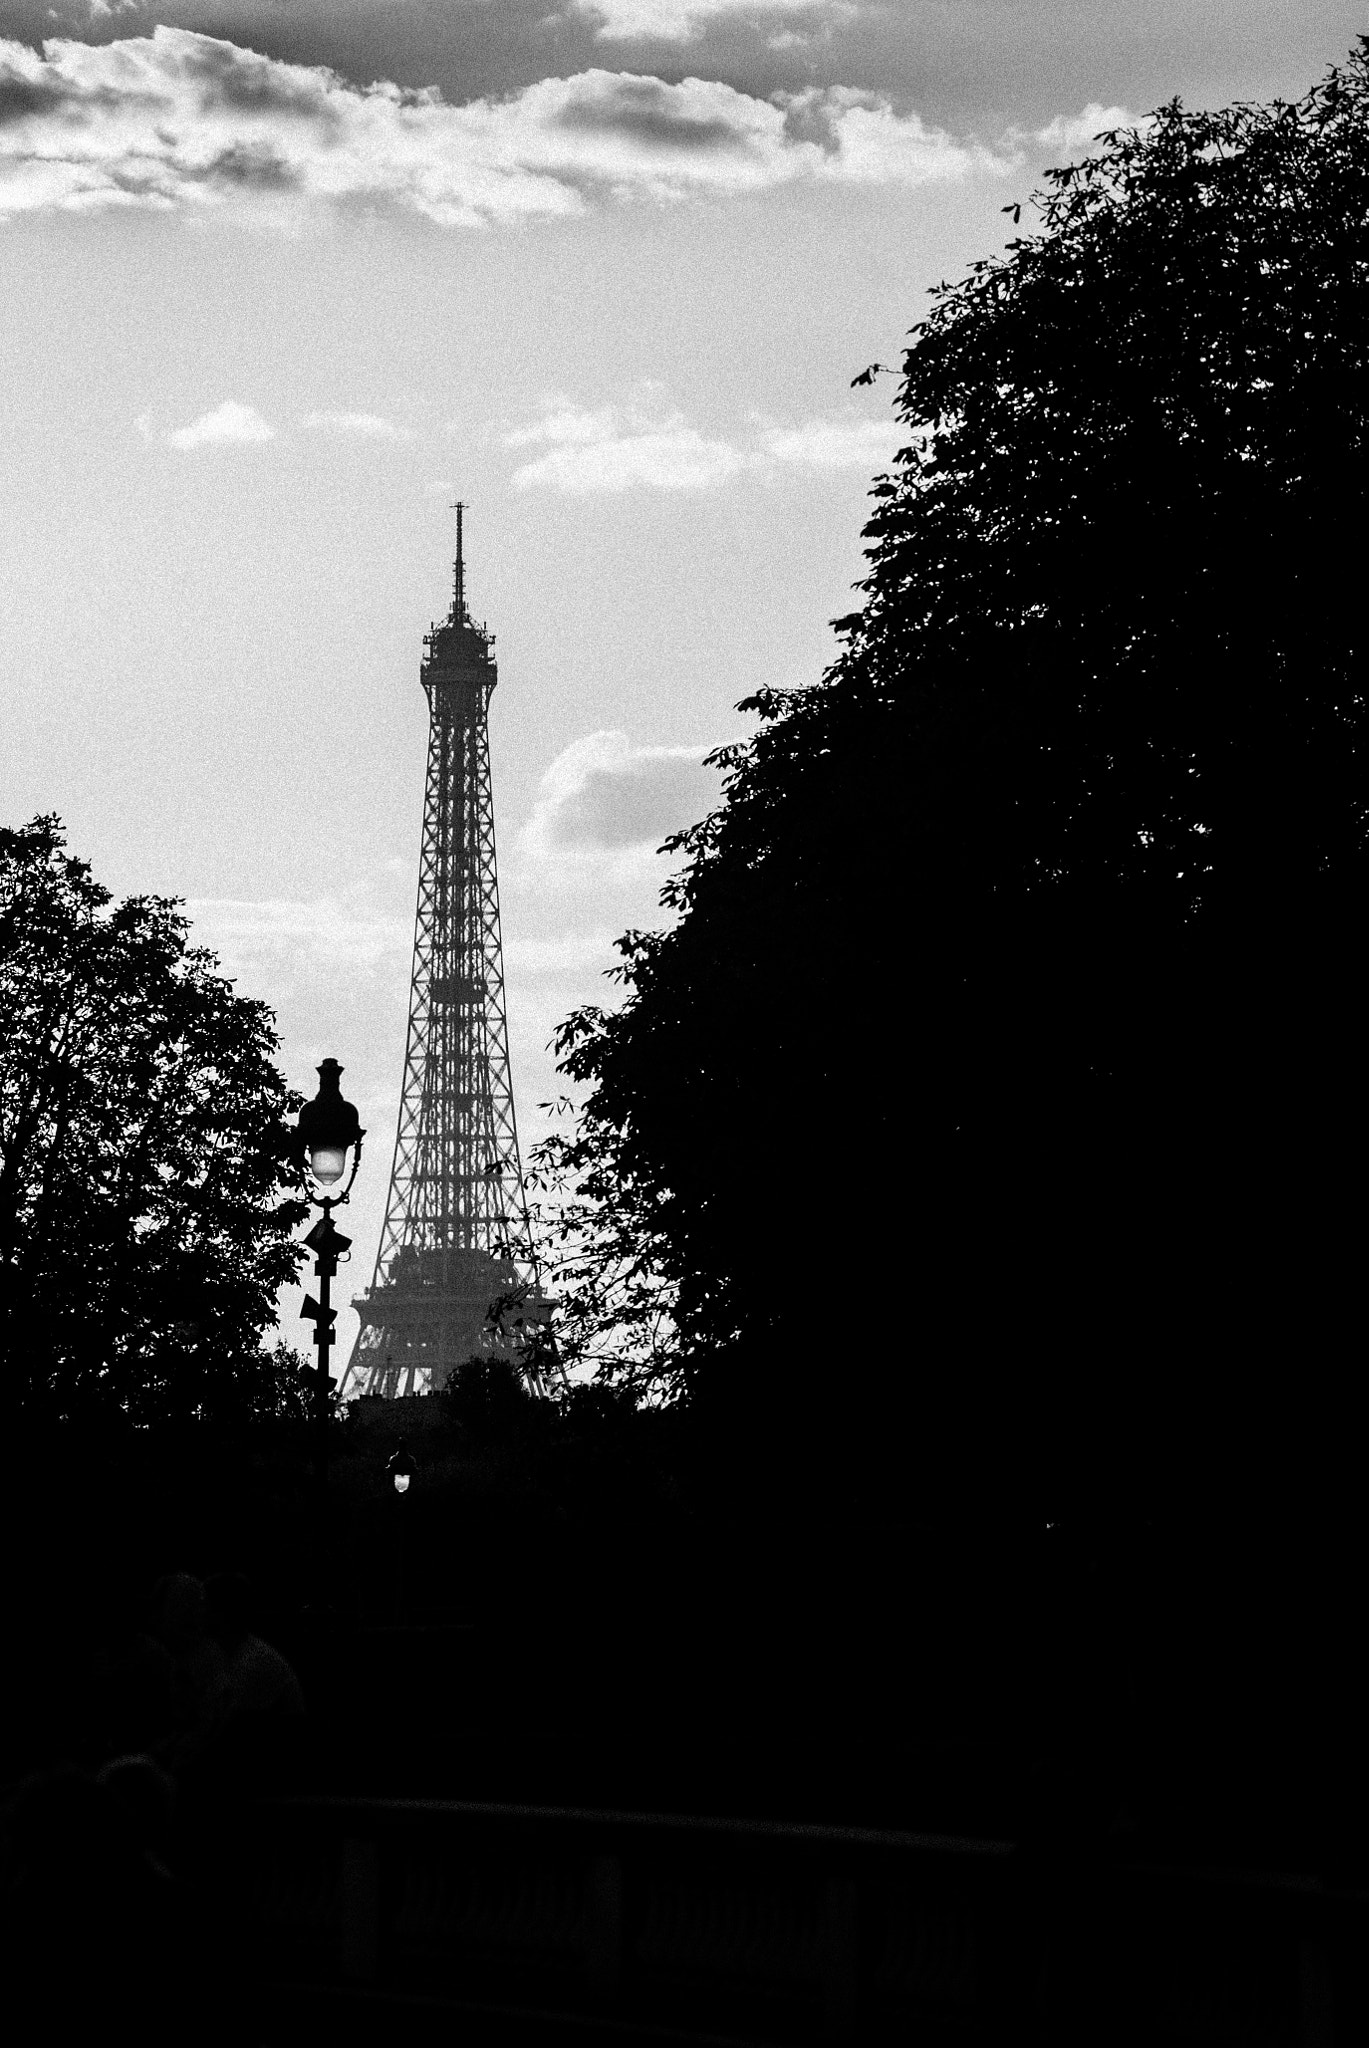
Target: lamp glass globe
x,y
327,1162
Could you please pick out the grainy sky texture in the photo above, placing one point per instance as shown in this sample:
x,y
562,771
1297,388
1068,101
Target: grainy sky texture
x,y
278,279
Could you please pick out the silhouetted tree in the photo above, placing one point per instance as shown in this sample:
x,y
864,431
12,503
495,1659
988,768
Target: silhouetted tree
x,y
145,1224
598,1230
488,1397
1007,1044
273,1384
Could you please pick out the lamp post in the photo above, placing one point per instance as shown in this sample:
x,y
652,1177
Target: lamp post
x,y
328,1128
401,1471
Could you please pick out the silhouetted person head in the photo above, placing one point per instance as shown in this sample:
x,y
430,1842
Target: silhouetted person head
x,y
229,1607
145,1794
179,1610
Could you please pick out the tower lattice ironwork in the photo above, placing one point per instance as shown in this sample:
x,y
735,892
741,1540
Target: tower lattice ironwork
x,y
446,1287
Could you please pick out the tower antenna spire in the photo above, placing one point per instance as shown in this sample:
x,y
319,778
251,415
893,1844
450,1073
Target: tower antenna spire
x,y
458,505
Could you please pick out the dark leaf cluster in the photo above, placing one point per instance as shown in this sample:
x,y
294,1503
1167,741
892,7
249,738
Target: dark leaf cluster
x,y
146,1205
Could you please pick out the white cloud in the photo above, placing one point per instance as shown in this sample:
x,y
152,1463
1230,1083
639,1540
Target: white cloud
x,y
366,426
647,444
230,424
1073,133
835,444
796,38
606,805
613,449
330,934
676,20
585,867
179,120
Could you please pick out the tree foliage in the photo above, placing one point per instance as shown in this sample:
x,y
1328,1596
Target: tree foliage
x,y
1008,1032
145,1213
487,1396
592,1231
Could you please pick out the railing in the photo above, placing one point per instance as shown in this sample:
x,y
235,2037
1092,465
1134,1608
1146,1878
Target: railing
x,y
551,1924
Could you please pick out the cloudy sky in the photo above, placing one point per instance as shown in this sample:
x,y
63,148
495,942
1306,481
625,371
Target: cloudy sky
x,y
278,278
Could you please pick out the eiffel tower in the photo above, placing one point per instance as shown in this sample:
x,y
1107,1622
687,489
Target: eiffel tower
x,y
446,1287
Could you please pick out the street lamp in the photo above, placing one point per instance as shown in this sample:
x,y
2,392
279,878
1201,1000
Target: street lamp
x,y
401,1469
328,1128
